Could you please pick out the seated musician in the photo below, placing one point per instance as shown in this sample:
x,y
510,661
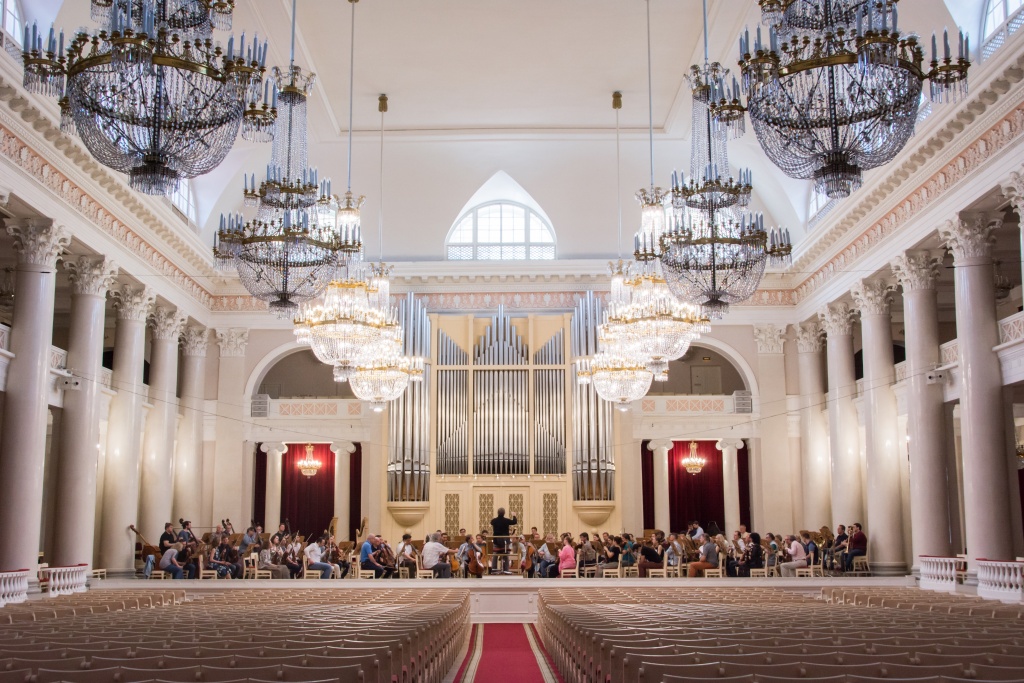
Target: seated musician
x,y
547,557
250,542
534,534
675,553
221,559
334,557
368,558
856,546
272,560
587,553
567,555
610,555
522,550
501,526
753,556
169,561
435,557
291,556
166,541
407,554
834,556
282,531
186,535
628,550
652,556
314,553
708,557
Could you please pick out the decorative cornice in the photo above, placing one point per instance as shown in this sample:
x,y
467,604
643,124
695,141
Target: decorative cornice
x,y
971,235
809,337
91,275
837,319
21,154
873,297
38,241
232,342
167,323
769,338
194,340
133,303
1013,190
916,270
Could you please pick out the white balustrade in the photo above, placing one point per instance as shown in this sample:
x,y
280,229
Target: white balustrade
x,y
938,574
1002,581
13,586
64,580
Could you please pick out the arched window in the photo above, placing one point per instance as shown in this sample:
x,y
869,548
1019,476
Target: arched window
x,y
12,20
500,230
1001,18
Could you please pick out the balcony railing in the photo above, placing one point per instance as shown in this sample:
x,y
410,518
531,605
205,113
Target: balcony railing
x,y
1002,581
939,574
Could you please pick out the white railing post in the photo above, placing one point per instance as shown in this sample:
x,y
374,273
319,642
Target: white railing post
x,y
1003,581
938,574
13,586
65,580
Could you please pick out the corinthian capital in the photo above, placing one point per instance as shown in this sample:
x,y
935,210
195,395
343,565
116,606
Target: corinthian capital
x,y
194,340
167,323
232,342
91,275
133,303
916,270
837,319
809,337
38,241
769,337
1013,189
872,297
971,234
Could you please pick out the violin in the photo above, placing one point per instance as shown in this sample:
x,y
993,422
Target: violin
x,y
474,566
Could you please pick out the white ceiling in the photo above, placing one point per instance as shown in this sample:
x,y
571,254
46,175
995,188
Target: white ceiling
x,y
482,86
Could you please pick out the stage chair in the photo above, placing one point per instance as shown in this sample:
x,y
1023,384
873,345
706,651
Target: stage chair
x,y
569,573
258,573
613,573
659,573
759,573
203,572
861,566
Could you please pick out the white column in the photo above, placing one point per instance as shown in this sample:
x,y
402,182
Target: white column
x,y
929,502
188,459
985,451
777,474
157,481
229,460
662,511
275,451
90,278
814,455
121,469
1013,189
343,451
730,483
39,243
844,439
884,523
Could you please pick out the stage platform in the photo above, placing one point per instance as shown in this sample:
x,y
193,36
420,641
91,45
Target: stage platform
x,y
509,599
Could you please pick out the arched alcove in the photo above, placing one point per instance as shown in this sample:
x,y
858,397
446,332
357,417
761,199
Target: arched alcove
x,y
301,375
701,371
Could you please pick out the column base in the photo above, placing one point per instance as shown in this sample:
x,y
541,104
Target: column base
x,y
971,579
888,568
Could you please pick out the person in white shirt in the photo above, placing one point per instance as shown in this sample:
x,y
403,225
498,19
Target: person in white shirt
x,y
674,550
407,555
797,557
435,557
314,552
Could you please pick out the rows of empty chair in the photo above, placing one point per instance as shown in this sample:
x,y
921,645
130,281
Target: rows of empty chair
x,y
373,636
912,598
94,602
768,634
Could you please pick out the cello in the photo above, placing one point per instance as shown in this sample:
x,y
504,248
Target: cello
x,y
477,563
528,561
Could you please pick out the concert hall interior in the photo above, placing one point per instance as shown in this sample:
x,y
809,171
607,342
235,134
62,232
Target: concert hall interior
x,y
511,297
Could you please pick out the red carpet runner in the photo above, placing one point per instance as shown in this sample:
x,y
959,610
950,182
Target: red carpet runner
x,y
506,653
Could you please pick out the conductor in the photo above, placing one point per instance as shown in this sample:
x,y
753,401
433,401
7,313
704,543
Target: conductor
x,y
501,526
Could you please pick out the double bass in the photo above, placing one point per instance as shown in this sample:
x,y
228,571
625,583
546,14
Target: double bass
x,y
147,547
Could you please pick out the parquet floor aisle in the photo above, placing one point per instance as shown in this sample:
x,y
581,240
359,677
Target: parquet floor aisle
x,y
126,636
766,635
506,653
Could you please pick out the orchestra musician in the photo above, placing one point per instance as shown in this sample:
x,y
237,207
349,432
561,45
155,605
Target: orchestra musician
x,y
336,558
290,556
368,558
185,535
271,560
435,557
221,559
407,555
169,561
385,556
282,532
167,539
548,556
314,553
250,543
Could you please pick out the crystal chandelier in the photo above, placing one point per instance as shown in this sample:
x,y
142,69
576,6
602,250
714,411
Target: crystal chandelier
x,y
693,463
309,465
618,379
341,327
379,379
293,247
836,89
150,94
716,250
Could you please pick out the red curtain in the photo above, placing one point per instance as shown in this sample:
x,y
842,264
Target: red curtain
x,y
308,502
355,505
259,493
695,496
647,484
